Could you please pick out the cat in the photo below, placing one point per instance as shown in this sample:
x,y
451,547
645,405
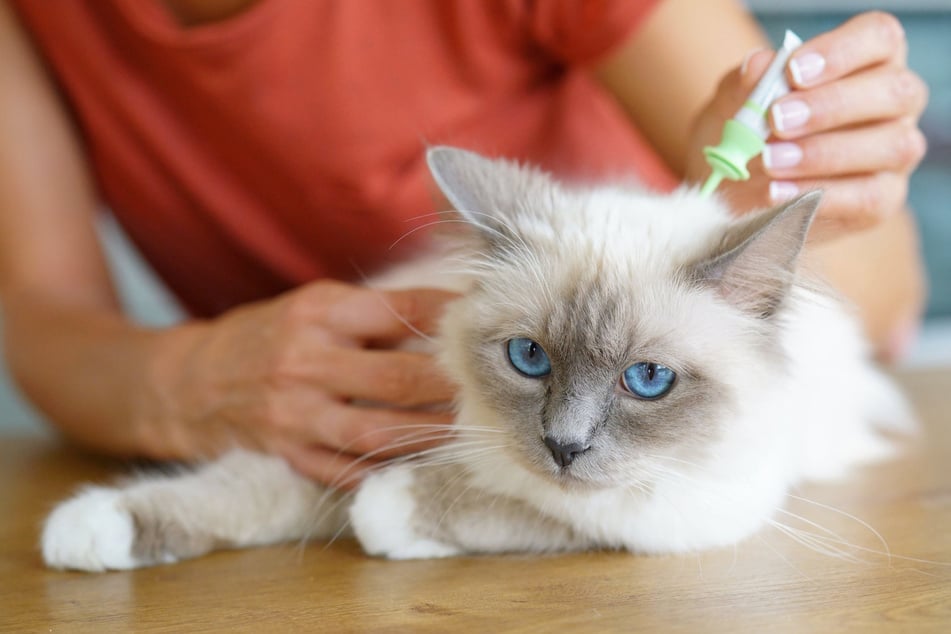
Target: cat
x,y
638,371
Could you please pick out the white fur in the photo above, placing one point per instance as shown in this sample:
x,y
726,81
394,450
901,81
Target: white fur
x,y
90,532
382,516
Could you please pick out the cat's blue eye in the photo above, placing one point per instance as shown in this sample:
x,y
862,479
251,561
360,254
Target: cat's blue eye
x,y
528,358
648,380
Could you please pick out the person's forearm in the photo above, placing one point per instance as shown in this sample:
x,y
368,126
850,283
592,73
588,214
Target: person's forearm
x,y
92,373
880,271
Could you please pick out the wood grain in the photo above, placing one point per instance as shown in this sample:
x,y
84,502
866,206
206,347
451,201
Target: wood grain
x,y
768,583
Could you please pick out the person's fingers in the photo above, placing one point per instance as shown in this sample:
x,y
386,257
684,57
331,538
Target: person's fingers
x,y
332,467
894,146
338,368
877,95
372,314
394,377
309,414
735,86
850,203
866,40
377,430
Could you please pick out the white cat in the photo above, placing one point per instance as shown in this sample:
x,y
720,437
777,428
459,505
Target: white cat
x,y
637,371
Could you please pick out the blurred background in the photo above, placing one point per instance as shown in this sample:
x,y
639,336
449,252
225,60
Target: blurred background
x,y
928,26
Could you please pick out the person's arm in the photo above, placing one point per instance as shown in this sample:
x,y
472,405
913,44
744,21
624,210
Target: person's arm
x,y
64,339
690,67
280,375
668,70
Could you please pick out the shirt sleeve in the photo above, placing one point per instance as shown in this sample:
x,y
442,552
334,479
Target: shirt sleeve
x,y
584,31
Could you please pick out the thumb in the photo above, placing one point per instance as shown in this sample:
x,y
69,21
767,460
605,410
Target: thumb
x,y
736,86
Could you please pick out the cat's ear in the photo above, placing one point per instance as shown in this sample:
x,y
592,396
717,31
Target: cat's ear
x,y
488,193
755,262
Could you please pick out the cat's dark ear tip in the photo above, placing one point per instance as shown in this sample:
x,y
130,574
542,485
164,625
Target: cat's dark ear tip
x,y
436,153
444,156
803,206
812,197
807,201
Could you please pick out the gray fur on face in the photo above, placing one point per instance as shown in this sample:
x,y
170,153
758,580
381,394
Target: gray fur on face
x,y
591,336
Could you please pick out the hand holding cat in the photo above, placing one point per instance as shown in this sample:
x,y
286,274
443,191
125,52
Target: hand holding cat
x,y
849,126
288,376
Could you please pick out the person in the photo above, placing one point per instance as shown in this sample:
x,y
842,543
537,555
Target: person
x,y
264,154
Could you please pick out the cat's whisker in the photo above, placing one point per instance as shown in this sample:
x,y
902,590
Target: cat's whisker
x,y
450,452
422,432
350,473
389,307
343,497
854,518
470,486
816,542
424,226
667,458
353,473
455,454
450,482
762,539
829,532
434,456
827,539
432,214
514,237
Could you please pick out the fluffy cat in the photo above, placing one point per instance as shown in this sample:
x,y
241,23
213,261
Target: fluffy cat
x,y
637,371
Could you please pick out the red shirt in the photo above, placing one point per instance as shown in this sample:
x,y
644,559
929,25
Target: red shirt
x,y
247,156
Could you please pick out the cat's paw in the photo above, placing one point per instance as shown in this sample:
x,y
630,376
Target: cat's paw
x,y
90,532
383,516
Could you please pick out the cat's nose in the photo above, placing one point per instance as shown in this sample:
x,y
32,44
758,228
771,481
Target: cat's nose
x,y
565,453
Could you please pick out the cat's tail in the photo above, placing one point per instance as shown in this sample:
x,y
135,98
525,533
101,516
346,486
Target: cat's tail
x,y
850,411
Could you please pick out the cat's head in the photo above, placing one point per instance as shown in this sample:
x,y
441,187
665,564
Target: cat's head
x,y
605,326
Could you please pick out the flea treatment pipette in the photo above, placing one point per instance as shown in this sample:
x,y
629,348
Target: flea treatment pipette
x,y
744,136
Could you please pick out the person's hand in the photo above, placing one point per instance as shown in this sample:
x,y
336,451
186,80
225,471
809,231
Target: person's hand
x,y
312,376
849,126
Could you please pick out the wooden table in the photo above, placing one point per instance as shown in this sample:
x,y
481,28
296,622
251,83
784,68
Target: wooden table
x,y
769,583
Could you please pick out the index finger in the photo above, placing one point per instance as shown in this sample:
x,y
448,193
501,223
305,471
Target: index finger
x,y
866,40
368,313
395,377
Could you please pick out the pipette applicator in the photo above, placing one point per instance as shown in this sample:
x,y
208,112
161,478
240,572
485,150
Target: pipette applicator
x,y
744,136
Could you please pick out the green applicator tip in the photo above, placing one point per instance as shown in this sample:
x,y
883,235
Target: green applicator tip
x,y
710,184
728,159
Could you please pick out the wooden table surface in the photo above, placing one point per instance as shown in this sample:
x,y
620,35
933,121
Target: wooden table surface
x,y
768,583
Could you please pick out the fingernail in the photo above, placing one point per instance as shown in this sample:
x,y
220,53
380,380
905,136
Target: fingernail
x,y
789,115
746,59
806,67
780,155
781,191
